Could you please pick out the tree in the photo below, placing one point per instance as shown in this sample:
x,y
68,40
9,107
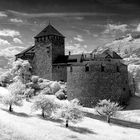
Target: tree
x,y
17,88
14,97
21,70
6,78
107,108
45,103
70,111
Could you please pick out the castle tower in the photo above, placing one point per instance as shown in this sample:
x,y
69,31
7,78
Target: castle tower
x,y
49,45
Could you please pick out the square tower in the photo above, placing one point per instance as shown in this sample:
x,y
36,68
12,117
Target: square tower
x,y
49,46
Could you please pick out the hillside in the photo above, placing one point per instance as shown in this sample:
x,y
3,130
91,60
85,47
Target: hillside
x,y
30,126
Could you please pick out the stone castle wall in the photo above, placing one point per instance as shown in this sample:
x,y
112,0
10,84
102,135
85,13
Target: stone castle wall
x,y
42,62
97,83
59,73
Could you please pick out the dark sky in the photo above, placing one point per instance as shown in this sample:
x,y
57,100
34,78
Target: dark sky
x,y
86,24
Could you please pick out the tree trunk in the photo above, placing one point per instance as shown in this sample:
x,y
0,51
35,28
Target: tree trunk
x,y
67,123
43,115
10,108
108,118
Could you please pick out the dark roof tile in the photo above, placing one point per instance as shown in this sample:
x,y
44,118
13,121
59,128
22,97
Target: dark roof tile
x,y
49,30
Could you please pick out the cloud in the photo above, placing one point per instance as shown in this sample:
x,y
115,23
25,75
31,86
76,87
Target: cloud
x,y
15,20
76,48
17,40
79,38
11,51
9,33
4,42
114,28
64,14
2,14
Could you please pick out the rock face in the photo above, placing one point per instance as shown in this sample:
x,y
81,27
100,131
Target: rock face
x,y
101,80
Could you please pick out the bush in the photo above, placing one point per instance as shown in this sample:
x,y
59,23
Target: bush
x,y
107,108
40,80
70,111
61,94
46,91
6,78
35,79
55,87
45,103
29,93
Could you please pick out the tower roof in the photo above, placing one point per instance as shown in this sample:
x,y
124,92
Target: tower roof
x,y
49,30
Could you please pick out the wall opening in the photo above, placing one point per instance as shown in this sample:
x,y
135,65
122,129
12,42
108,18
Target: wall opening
x,y
118,69
86,68
102,68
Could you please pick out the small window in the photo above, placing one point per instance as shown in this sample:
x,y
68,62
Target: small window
x,y
118,69
123,89
71,69
102,68
86,68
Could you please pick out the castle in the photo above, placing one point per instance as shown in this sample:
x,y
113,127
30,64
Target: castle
x,y
89,77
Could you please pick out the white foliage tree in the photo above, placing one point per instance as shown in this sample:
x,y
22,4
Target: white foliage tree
x,y
107,108
70,111
45,103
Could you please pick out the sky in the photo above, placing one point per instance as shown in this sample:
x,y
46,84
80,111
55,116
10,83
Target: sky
x,y
86,24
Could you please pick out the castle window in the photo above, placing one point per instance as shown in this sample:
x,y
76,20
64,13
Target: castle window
x,y
123,89
102,68
71,69
86,68
118,69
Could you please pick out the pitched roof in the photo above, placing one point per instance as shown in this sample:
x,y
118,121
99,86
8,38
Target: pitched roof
x,y
108,53
30,49
49,30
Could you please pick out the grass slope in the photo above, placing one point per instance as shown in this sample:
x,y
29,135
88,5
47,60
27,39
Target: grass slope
x,y
24,124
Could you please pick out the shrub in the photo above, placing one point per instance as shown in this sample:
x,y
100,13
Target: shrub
x,y
107,108
40,80
46,91
29,93
35,79
70,111
61,94
44,85
55,87
6,78
45,103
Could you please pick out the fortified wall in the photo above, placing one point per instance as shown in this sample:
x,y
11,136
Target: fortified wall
x,y
94,80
